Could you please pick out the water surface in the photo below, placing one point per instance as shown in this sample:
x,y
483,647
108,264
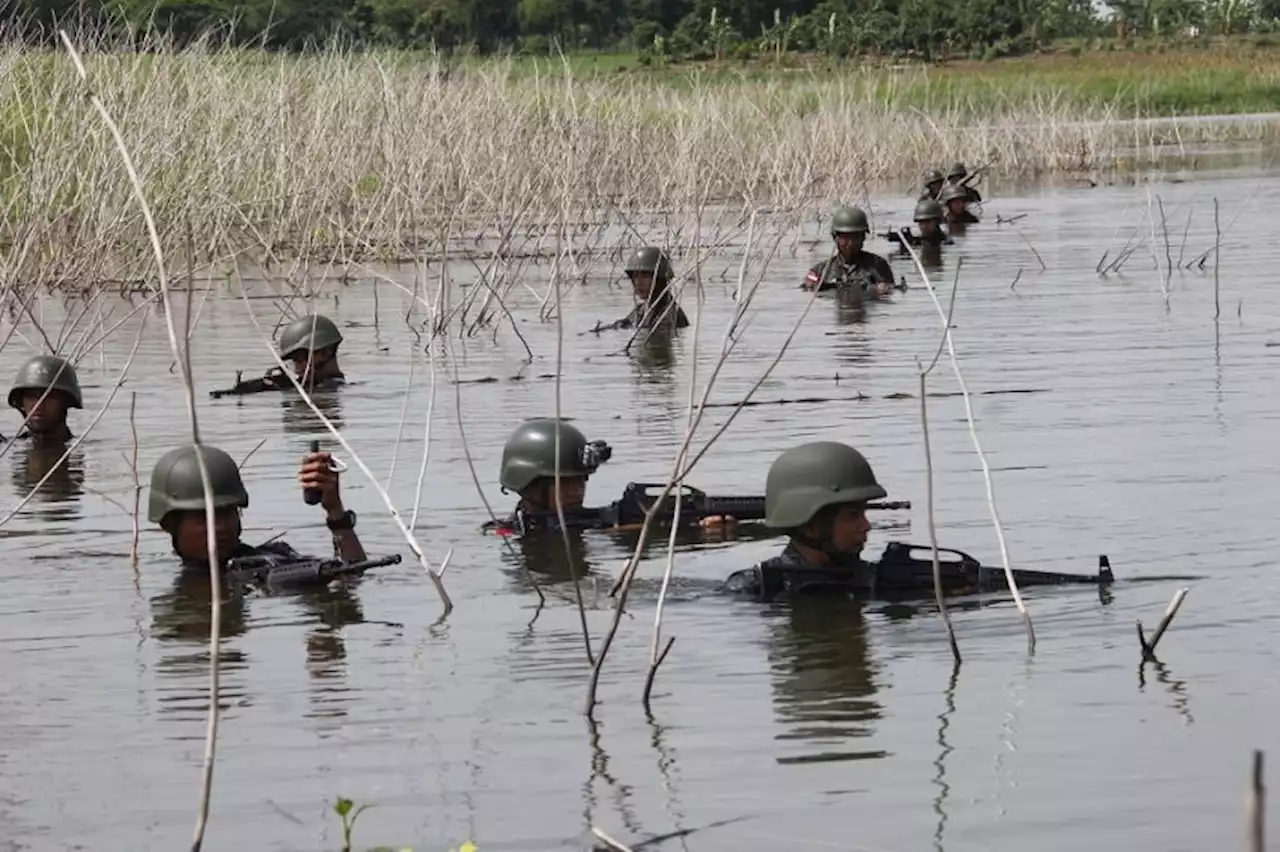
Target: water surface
x,y
1149,437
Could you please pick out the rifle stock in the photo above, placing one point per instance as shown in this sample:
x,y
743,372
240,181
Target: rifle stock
x,y
638,498
264,571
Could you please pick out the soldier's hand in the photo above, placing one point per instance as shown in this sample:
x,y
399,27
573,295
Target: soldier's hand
x,y
316,472
715,522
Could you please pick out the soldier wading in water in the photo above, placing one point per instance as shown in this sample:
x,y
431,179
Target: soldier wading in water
x,y
656,308
817,494
177,504
311,344
529,469
45,389
851,268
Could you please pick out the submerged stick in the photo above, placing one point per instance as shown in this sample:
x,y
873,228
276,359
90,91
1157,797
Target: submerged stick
x,y
977,446
137,483
657,657
928,466
560,518
1217,255
608,841
1149,648
1257,805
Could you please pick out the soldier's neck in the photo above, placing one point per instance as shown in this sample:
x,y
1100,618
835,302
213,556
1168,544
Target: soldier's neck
x,y
811,555
58,435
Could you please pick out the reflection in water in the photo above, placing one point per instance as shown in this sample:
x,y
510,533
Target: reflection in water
x,y
1177,688
181,616
61,492
667,769
333,609
621,793
653,358
945,748
298,418
824,687
851,308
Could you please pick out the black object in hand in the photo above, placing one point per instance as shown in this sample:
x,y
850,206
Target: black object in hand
x,y
312,496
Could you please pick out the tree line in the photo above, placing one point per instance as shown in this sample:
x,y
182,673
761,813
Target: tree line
x,y
680,29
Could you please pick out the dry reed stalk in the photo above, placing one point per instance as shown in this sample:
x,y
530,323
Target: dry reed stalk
x,y
215,597
928,467
1256,806
1168,248
1217,255
616,845
977,446
556,480
137,482
622,587
1149,648
410,539
656,656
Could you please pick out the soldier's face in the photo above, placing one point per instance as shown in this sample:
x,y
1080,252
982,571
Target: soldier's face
x,y
306,363
642,284
928,226
934,187
573,490
847,244
849,528
190,534
44,415
956,206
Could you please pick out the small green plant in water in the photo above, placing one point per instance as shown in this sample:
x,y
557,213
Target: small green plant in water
x,y
349,813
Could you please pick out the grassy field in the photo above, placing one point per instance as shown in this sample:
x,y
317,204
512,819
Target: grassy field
x,y
1233,76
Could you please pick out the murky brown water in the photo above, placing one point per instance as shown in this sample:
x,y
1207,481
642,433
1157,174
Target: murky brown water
x,y
1151,440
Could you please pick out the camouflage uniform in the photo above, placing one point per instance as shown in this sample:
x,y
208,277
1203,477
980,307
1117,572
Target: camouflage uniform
x,y
861,274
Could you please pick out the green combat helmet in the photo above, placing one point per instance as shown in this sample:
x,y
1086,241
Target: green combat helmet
x,y
951,192
311,332
958,172
176,484
812,476
530,452
849,220
932,176
650,259
928,209
42,372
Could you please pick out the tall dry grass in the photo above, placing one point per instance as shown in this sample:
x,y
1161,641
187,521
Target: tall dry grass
x,y
344,155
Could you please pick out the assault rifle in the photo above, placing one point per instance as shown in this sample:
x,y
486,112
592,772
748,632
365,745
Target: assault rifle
x,y
915,240
275,379
271,573
902,575
904,570
639,497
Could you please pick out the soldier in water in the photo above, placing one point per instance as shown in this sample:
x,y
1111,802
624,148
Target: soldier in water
x,y
529,469
45,389
933,181
956,175
817,495
851,268
649,269
955,202
177,504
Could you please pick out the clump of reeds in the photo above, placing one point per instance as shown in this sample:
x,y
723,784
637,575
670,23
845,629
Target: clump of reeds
x,y
344,155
